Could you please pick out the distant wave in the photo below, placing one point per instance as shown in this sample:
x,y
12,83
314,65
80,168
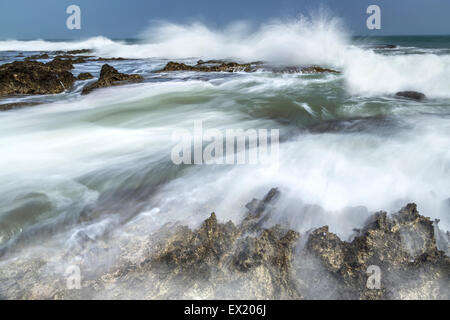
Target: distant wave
x,y
319,39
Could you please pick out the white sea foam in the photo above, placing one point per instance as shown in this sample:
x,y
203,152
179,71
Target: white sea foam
x,y
304,41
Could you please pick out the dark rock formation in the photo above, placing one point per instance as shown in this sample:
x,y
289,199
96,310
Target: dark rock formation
x,y
222,66
111,77
73,59
79,51
31,77
59,64
110,59
317,69
305,70
384,46
209,66
85,76
38,56
414,95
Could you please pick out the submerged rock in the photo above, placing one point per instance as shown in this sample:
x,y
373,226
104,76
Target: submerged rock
x,y
111,77
16,105
32,77
414,95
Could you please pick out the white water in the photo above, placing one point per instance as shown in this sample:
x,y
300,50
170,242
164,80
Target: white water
x,y
319,40
113,146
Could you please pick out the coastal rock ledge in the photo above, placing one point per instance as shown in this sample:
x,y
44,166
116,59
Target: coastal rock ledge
x,y
32,77
253,260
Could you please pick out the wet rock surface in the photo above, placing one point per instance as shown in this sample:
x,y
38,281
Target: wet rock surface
x,y
209,66
252,260
32,77
85,76
413,95
111,77
224,66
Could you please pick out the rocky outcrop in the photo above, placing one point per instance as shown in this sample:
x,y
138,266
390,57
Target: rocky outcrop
x,y
304,70
255,260
209,66
111,77
85,76
402,247
32,77
414,95
38,57
59,64
223,66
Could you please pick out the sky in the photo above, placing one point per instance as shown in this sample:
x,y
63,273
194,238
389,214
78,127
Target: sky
x,y
119,19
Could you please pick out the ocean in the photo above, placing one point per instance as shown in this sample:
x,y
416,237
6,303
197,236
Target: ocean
x,y
101,163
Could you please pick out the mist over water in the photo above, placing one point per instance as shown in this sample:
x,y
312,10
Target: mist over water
x,y
101,163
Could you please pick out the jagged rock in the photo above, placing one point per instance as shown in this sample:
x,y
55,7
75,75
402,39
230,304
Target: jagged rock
x,y
402,246
32,77
224,259
209,66
111,77
85,76
414,95
253,261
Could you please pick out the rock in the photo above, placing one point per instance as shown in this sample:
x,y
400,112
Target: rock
x,y
32,77
111,77
73,59
79,51
317,69
402,246
414,95
16,105
38,57
109,59
85,76
209,66
384,46
224,260
305,70
60,64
